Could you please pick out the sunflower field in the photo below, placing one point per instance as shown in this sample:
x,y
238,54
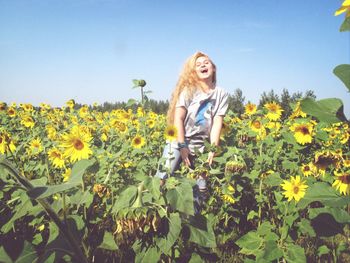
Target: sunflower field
x,y
78,185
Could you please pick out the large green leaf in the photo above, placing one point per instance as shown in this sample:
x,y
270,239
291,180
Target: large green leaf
x,y
28,254
324,193
306,228
153,185
295,253
324,110
345,26
270,253
201,232
174,231
181,198
339,214
75,179
108,242
4,257
343,72
126,199
250,243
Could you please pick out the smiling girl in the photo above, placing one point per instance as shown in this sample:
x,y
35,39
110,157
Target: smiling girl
x,y
196,109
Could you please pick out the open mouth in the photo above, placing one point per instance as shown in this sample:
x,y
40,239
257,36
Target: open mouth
x,y
204,70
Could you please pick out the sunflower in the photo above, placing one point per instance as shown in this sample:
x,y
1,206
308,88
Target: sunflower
x,y
119,126
11,112
27,121
28,107
6,143
303,132
324,159
295,188
70,104
308,169
56,157
228,198
250,109
83,111
297,112
274,111
35,146
346,163
257,126
345,7
344,137
76,144
51,132
3,106
66,175
342,182
138,141
170,133
150,123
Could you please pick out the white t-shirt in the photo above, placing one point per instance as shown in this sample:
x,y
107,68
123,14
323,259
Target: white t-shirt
x,y
201,110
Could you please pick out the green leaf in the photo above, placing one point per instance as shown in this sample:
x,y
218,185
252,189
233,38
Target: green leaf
x,y
75,179
264,229
271,252
325,194
201,232
195,258
126,198
173,234
345,26
306,228
78,170
250,242
323,250
28,254
339,214
130,103
4,257
324,110
181,198
151,254
295,254
273,179
343,71
153,185
108,242
22,210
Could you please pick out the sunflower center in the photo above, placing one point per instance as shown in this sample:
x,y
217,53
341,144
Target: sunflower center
x,y
296,189
306,168
257,124
137,141
78,144
345,179
303,129
1,140
171,133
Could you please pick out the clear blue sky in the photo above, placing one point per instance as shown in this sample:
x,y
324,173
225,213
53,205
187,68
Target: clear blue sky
x,y
90,50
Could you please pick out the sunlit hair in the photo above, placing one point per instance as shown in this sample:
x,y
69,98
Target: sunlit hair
x,y
189,81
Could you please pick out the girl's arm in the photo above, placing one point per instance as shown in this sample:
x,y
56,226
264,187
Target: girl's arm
x,y
215,135
179,118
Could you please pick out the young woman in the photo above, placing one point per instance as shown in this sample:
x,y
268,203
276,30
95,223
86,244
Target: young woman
x,y
196,109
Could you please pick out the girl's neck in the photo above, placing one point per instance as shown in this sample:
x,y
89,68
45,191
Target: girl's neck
x,y
207,86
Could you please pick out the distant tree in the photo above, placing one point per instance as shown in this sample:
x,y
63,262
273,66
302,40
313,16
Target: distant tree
x,y
268,97
236,102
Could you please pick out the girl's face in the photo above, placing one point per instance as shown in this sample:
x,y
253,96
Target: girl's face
x,y
204,68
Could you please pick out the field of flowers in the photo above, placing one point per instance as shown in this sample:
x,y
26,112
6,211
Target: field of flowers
x,y
77,185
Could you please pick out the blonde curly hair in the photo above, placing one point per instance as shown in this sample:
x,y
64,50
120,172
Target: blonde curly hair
x,y
189,81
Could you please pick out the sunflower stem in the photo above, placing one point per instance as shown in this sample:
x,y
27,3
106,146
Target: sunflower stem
x,y
79,255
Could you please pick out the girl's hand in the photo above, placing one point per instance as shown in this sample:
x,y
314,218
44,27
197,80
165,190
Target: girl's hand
x,y
210,157
184,155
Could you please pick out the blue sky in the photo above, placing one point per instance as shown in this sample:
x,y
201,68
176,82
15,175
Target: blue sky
x,y
54,50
